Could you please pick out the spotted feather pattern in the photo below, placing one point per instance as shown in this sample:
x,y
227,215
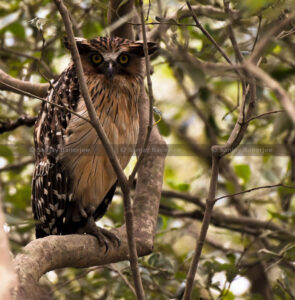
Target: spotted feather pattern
x,y
66,181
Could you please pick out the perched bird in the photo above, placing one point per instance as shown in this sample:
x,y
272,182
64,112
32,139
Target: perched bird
x,y
73,181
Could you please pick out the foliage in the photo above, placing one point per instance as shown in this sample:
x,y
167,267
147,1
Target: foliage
x,y
199,107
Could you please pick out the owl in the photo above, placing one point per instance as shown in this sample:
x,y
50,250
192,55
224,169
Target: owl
x,y
74,182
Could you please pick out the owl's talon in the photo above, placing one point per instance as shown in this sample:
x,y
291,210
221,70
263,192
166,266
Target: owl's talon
x,y
102,235
82,210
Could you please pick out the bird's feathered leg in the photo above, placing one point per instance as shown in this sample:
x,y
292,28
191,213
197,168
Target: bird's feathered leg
x,y
103,236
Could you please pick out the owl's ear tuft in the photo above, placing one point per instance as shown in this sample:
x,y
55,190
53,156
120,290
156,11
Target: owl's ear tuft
x,y
137,48
82,44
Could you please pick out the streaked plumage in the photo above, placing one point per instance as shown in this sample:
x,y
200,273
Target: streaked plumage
x,y
72,172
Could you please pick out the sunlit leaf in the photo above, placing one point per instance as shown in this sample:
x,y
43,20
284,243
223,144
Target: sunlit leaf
x,y
243,171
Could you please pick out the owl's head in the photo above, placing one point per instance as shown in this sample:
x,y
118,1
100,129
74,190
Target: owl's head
x,y
112,56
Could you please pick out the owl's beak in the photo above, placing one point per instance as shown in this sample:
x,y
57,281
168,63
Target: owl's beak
x,y
110,70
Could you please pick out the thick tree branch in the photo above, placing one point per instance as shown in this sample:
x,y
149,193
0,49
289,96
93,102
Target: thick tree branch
x,y
118,9
7,274
81,251
11,125
9,83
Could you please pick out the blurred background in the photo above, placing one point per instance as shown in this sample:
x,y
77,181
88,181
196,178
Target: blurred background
x,y
197,103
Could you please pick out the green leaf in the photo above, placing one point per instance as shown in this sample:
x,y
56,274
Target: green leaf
x,y
230,187
21,198
91,29
183,187
283,191
227,295
243,171
7,153
279,216
17,30
163,126
289,252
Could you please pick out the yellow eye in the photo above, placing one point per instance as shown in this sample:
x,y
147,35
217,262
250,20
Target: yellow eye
x,y
123,59
96,58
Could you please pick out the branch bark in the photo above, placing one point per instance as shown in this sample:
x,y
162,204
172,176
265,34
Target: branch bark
x,y
43,255
81,251
123,182
7,273
8,83
11,125
218,152
275,86
118,9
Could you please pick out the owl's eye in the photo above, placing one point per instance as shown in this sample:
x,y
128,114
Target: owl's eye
x,y
96,59
123,59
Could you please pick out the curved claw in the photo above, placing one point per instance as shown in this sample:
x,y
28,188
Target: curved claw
x,y
101,234
112,237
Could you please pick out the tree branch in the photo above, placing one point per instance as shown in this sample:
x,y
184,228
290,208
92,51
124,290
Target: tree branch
x,y
7,273
275,86
150,95
118,9
207,11
11,125
217,153
9,83
205,225
17,166
123,182
81,251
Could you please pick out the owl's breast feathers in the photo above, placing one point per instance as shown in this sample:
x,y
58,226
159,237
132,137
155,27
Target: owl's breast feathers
x,y
116,105
71,165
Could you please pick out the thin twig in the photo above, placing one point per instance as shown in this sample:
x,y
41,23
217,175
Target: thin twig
x,y
265,115
217,153
164,23
184,196
123,182
17,166
267,37
255,189
232,37
275,86
113,268
205,225
150,96
206,33
227,221
10,51
257,34
15,89
234,43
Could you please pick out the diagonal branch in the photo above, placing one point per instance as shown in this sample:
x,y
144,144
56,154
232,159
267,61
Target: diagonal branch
x,y
275,86
9,83
81,251
123,182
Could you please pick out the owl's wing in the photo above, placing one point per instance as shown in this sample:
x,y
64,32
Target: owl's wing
x,y
102,208
51,185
